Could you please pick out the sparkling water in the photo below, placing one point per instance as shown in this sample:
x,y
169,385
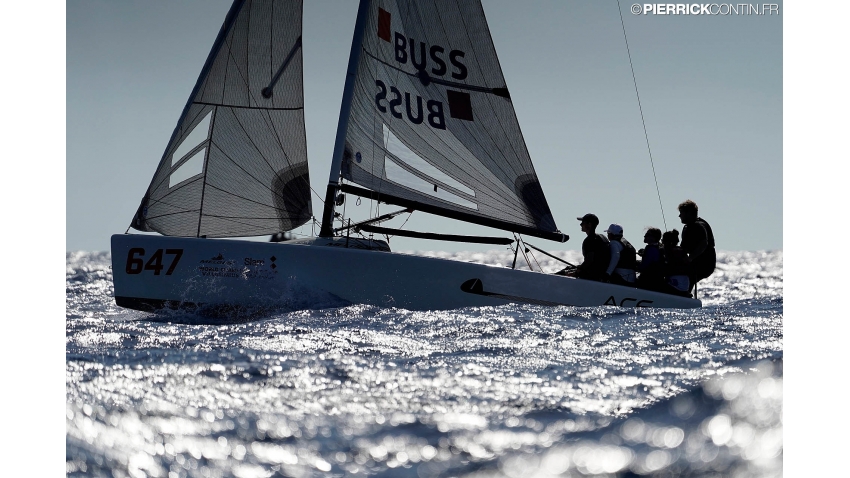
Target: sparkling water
x,y
513,391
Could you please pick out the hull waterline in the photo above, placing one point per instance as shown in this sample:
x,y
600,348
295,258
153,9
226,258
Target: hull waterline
x,y
152,272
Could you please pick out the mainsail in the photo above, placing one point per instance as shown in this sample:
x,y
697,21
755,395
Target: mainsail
x,y
431,124
236,164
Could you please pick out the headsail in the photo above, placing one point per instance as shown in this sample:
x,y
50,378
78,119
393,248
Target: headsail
x,y
431,121
236,164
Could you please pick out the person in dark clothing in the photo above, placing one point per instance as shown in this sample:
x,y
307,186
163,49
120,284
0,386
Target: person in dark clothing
x,y
651,265
623,260
595,250
676,279
698,243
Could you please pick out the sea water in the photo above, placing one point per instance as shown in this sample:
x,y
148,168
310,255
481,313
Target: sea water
x,y
353,390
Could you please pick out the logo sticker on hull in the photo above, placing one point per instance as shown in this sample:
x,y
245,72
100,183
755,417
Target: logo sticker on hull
x,y
247,267
628,302
218,266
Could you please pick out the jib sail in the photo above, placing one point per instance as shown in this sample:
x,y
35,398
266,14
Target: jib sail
x,y
431,121
236,164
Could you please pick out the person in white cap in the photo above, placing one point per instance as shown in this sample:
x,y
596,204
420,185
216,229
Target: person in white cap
x,y
623,262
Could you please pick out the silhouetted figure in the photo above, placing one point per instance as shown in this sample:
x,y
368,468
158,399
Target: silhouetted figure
x,y
595,250
623,260
698,243
675,265
651,265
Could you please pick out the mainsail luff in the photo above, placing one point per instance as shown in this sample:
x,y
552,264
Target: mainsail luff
x,y
459,149
253,176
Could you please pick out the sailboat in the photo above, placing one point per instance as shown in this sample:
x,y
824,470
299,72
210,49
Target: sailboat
x,y
426,124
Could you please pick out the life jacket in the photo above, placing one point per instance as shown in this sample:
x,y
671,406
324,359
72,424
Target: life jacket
x,y
675,263
646,265
688,241
601,254
708,233
703,265
628,256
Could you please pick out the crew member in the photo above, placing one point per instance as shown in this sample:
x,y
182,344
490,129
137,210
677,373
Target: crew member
x,y
675,265
698,243
623,260
651,265
595,250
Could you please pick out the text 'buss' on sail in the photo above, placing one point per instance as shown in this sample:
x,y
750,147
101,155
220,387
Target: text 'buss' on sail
x,y
401,56
435,107
405,49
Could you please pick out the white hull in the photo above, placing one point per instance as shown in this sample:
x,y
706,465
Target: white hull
x,y
152,272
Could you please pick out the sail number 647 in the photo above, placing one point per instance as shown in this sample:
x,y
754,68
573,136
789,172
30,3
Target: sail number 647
x,y
136,261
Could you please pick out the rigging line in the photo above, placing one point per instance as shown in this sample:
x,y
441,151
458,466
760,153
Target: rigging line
x,y
344,209
524,254
321,199
634,80
405,221
516,252
535,260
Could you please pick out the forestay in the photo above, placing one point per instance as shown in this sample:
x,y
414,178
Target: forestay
x,y
236,164
431,119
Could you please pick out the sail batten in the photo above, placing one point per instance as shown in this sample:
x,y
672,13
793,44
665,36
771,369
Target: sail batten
x,y
428,73
255,163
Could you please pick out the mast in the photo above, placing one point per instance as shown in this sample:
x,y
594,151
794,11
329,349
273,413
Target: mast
x,y
344,112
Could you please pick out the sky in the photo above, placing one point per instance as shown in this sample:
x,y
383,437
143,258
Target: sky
x,y
710,88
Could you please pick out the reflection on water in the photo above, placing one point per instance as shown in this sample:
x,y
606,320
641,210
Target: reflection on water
x,y
508,391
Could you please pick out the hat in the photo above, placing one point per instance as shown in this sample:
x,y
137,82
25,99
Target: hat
x,y
591,218
615,229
